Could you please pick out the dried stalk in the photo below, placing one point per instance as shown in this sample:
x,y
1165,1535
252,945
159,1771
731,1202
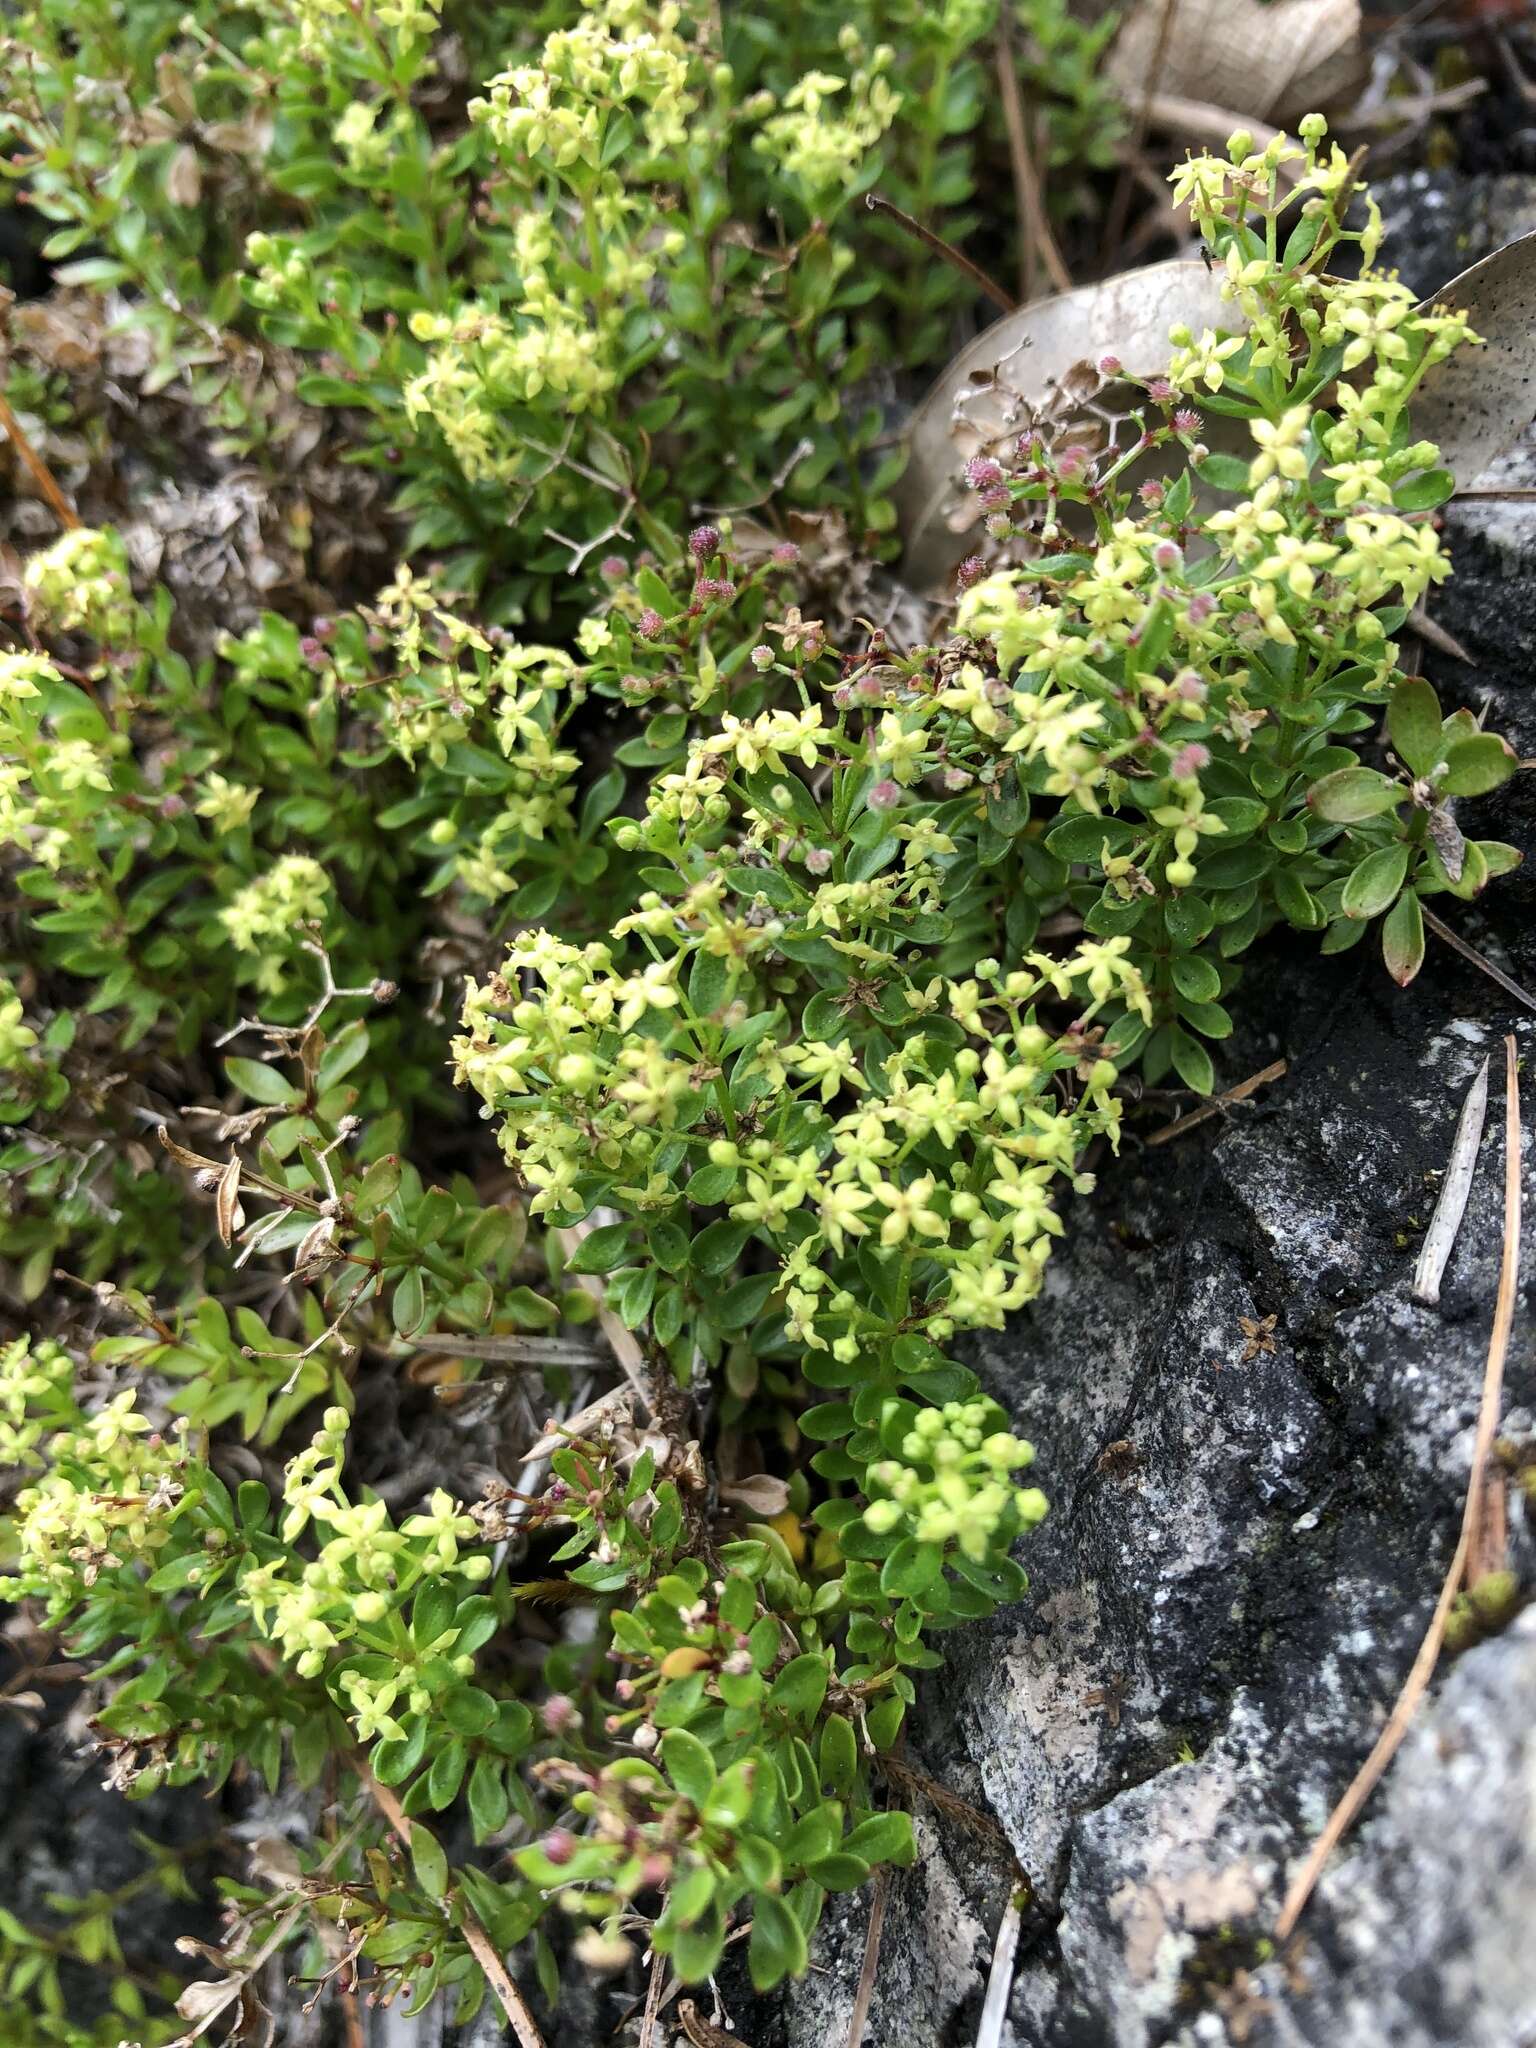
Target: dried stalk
x,y
1114,230
1387,1742
47,483
1459,945
859,2018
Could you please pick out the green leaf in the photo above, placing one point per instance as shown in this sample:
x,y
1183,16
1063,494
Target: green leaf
x,y
1474,766
408,1305
1402,939
800,1687
428,1861
488,1801
709,983
838,1873
883,1838
1196,978
717,1249
446,1775
911,1567
777,1947
260,1083
1422,493
838,1756
1192,1062
1413,723
1224,472
1372,887
600,1250
696,1949
688,1764
1350,795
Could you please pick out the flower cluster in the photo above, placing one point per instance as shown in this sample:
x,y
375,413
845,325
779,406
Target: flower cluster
x,y
110,1485
951,1482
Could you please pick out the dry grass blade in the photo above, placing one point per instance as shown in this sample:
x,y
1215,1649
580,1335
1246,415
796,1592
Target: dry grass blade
x,y
652,2002
1217,1103
1454,1189
1367,1777
859,2017
1459,945
1005,1950
946,250
1437,637
1035,235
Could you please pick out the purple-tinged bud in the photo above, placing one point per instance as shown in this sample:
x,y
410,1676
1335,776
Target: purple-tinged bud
x,y
1201,605
761,655
1151,494
1187,421
785,553
715,589
982,472
999,526
884,795
559,1712
970,571
1168,555
996,500
613,568
1159,390
1188,761
703,542
1190,687
559,1845
818,860
651,624
655,1871
1110,366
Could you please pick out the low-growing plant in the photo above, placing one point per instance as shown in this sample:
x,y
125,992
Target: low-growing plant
x,y
804,960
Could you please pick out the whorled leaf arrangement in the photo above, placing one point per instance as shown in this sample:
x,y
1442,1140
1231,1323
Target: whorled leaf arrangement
x,y
880,930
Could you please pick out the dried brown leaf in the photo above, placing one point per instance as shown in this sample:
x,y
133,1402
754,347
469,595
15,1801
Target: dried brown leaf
x,y
228,1215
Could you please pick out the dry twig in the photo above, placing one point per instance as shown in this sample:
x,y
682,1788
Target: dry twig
x,y
1240,1093
483,1949
1472,1520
